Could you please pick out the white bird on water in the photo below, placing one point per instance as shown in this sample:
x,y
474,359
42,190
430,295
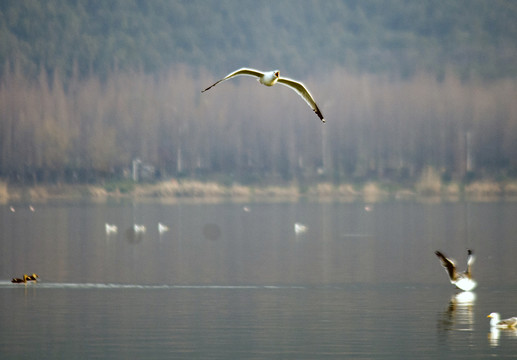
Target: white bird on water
x,y
270,78
139,229
162,228
111,229
495,321
300,228
462,280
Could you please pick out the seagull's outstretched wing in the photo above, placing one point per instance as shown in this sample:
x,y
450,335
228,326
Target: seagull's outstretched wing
x,y
470,261
241,71
448,264
304,93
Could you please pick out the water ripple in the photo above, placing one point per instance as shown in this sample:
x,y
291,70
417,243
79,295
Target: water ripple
x,y
53,285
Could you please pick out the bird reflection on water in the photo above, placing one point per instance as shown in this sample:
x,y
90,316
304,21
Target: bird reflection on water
x,y
495,334
460,313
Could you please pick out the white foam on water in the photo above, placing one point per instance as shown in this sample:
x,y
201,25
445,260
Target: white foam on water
x,y
54,285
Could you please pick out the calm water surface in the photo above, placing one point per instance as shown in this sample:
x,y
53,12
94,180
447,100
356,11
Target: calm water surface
x,y
234,282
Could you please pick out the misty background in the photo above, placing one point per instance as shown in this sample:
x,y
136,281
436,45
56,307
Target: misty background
x,y
86,87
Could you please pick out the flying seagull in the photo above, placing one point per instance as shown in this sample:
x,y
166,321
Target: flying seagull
x,y
270,78
496,321
462,280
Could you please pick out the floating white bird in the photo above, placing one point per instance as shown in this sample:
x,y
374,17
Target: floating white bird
x,y
162,228
462,280
111,229
300,228
495,321
270,78
139,228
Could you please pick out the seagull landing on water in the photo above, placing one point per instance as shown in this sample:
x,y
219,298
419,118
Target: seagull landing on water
x,y
270,78
462,280
495,321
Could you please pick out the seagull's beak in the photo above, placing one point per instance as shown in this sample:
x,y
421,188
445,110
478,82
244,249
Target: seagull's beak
x,y
277,73
489,316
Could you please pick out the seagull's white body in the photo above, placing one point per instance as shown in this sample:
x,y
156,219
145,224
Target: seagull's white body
x,y
465,284
162,228
495,321
462,280
111,229
270,78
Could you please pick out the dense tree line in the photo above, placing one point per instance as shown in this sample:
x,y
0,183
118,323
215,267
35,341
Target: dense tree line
x,y
476,38
378,127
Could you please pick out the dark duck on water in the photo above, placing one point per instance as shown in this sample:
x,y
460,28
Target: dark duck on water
x,y
33,277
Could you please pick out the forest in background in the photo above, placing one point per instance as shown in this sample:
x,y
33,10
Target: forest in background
x,y
87,87
476,38
377,128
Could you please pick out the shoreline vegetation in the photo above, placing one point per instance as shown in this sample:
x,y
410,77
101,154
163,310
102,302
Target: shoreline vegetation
x,y
431,190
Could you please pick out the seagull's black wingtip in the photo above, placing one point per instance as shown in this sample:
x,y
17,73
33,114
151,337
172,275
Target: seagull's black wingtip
x,y
320,115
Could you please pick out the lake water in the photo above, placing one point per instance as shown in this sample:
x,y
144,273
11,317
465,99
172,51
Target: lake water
x,y
234,281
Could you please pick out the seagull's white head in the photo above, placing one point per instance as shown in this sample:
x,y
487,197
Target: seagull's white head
x,y
494,318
